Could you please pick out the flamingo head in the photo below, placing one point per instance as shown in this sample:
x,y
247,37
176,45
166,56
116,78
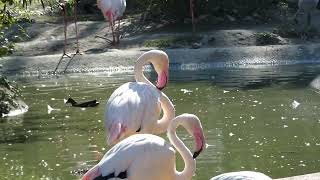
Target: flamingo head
x,y
92,174
194,128
161,66
117,131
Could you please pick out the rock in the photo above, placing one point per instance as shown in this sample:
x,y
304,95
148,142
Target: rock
x,y
196,45
211,39
10,103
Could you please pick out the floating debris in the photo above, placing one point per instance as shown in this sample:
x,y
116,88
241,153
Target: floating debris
x,y
186,91
50,109
295,104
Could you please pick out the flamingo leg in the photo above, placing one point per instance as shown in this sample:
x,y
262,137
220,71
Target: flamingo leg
x,y
296,16
64,54
76,26
118,32
113,33
192,15
309,19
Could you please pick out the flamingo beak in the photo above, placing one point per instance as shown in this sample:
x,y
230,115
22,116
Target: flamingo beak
x,y
162,80
196,154
200,142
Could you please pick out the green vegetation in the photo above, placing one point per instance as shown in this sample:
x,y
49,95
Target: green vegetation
x,y
172,41
266,38
11,13
288,30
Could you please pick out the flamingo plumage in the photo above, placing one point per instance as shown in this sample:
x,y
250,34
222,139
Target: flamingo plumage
x,y
135,107
242,175
113,10
146,156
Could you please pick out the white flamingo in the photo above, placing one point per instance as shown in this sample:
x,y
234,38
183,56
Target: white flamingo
x,y
242,175
135,106
113,10
306,6
149,157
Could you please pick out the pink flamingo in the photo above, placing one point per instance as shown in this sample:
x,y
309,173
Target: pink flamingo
x,y
113,10
135,107
150,157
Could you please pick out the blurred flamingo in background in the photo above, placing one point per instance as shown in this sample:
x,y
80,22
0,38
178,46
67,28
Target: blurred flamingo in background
x,y
150,157
113,10
306,6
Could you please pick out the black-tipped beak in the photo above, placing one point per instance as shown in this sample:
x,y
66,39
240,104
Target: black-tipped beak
x,y
196,154
160,88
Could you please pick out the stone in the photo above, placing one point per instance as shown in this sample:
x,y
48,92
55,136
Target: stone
x,y
10,102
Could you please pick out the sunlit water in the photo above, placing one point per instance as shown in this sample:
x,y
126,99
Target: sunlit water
x,y
248,116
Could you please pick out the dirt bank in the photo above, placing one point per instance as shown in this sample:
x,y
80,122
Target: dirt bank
x,y
233,43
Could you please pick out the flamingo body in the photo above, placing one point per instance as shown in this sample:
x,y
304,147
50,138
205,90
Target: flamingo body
x,y
138,155
146,156
135,106
112,9
306,6
242,175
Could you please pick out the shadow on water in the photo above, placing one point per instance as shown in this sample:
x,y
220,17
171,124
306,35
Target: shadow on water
x,y
290,76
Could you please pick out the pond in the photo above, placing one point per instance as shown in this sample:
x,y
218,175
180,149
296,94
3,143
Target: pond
x,y
265,119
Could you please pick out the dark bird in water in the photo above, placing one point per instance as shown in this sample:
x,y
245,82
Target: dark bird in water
x,y
92,103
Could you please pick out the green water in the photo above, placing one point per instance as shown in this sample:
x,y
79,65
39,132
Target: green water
x,y
247,116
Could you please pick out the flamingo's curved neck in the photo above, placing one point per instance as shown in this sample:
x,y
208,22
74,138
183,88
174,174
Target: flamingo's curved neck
x,y
138,69
168,114
190,164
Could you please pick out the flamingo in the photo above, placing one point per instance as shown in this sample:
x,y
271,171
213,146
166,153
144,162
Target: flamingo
x,y
306,6
134,107
242,175
62,4
113,10
146,156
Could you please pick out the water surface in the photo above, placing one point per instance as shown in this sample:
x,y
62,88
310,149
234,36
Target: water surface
x,y
247,115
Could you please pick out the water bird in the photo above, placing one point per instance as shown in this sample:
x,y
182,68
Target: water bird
x,y
135,107
146,156
73,103
113,10
242,175
50,109
306,6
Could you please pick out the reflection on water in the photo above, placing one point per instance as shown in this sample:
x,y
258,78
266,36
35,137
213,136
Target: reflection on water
x,y
247,115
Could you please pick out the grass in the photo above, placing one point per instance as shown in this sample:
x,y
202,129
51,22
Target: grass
x,y
172,41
